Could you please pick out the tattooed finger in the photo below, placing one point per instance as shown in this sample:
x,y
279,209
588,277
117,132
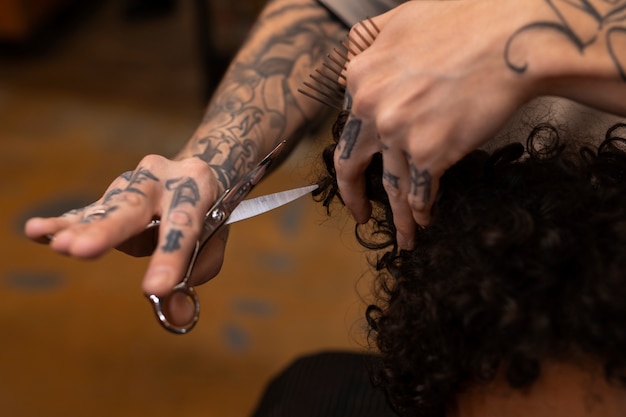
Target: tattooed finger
x,y
172,241
185,191
349,137
129,189
97,212
392,180
397,186
422,191
347,101
139,176
420,186
126,175
73,212
111,194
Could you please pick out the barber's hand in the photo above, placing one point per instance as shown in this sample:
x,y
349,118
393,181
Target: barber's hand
x,y
178,192
432,87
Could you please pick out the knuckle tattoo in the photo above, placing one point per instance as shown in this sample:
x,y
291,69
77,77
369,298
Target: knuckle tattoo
x,y
139,176
185,191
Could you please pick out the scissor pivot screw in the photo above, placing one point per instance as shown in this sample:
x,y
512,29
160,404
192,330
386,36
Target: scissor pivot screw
x,y
217,215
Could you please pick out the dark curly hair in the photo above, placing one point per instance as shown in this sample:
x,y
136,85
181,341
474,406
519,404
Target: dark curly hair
x,y
524,261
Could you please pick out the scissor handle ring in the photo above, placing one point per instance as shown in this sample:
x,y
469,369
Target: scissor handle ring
x,y
157,305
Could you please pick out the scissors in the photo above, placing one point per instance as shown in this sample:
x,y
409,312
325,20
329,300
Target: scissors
x,y
229,208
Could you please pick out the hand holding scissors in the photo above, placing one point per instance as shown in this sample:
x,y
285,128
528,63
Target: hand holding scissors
x,y
229,208
118,219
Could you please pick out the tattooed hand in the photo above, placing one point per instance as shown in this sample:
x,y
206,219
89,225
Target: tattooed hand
x,y
178,192
255,106
442,77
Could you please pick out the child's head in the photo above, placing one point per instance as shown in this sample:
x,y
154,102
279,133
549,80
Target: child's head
x,y
524,263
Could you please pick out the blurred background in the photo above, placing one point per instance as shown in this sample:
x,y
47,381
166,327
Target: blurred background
x,y
87,89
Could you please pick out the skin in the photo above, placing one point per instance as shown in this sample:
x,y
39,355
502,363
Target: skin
x,y
457,97
445,102
255,106
448,100
564,389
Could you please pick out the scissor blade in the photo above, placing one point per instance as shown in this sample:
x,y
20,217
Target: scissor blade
x,y
259,205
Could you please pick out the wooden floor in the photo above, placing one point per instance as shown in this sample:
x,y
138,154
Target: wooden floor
x,y
78,338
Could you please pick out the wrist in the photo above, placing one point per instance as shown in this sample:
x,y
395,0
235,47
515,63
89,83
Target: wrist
x,y
563,47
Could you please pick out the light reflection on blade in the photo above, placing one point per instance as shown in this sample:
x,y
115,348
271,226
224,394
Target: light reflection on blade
x,y
259,205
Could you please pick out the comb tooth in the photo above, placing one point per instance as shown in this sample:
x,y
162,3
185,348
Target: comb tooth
x,y
371,22
330,83
328,88
371,30
333,80
338,58
334,65
332,88
355,43
367,29
340,64
335,71
317,89
314,97
367,41
341,55
347,47
325,79
330,94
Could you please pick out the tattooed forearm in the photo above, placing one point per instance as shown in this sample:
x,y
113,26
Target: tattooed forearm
x,y
229,156
257,103
601,20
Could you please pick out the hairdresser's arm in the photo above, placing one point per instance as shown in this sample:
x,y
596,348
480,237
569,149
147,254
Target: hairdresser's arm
x,y
443,77
255,106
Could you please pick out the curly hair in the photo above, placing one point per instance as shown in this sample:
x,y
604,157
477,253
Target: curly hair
x,y
524,261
